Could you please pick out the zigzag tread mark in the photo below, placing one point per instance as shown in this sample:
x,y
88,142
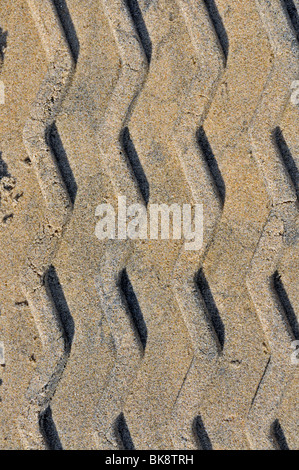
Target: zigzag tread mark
x,y
211,63
229,430
58,208
279,228
128,351
132,75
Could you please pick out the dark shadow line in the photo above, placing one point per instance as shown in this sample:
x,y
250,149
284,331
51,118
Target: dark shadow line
x,y
123,434
201,434
3,168
68,26
54,142
3,44
218,26
290,314
210,304
293,14
287,158
133,307
130,151
279,436
211,162
140,26
49,431
57,295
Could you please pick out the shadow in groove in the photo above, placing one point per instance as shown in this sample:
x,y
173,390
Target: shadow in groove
x,y
136,166
140,26
210,304
123,434
56,145
3,44
293,14
201,434
279,436
49,431
68,26
287,158
290,314
218,26
211,162
3,168
133,307
61,305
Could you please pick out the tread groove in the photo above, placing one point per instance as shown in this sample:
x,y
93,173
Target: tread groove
x,y
218,25
136,166
202,435
133,307
211,306
136,14
49,431
124,436
290,315
68,26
